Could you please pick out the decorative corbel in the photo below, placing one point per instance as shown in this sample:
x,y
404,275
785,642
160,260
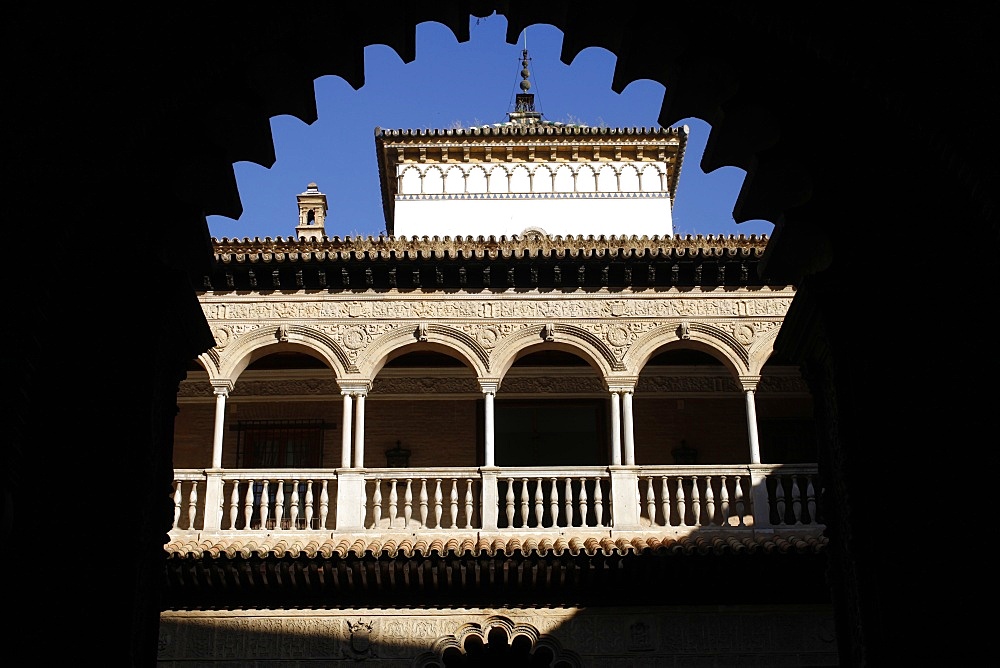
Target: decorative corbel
x,y
282,333
549,332
421,332
684,330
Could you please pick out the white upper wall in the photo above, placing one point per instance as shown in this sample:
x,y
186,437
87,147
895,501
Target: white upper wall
x,y
558,198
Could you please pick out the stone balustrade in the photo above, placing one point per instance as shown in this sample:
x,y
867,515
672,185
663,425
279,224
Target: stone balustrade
x,y
587,499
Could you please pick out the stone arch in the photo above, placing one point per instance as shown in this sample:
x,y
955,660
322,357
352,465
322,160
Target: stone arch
x,y
838,58
499,180
299,337
441,338
651,179
410,181
499,637
628,179
586,180
542,179
761,351
563,181
607,179
520,180
433,181
568,338
210,361
707,338
477,180
454,180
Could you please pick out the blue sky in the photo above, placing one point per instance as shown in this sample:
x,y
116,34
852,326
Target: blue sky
x,y
450,84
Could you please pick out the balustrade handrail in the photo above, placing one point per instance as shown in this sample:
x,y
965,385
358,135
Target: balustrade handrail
x,y
429,472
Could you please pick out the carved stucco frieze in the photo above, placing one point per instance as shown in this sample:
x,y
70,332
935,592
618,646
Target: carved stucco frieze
x,y
452,307
192,388
747,332
619,322
297,387
784,384
551,385
425,385
656,383
620,334
488,336
597,637
354,338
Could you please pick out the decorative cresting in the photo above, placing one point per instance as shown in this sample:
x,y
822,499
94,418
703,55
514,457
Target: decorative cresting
x,y
374,355
501,642
236,356
251,251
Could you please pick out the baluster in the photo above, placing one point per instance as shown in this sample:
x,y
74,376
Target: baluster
x,y
453,504
539,503
324,503
376,504
568,500
796,501
438,504
393,502
696,501
234,504
583,501
293,511
265,503
741,510
525,522
510,503
709,501
553,504
650,501
309,504
811,499
724,489
248,506
177,502
279,504
408,503
423,503
681,502
598,502
192,504
779,492
468,504
665,499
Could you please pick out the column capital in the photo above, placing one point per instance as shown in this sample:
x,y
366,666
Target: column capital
x,y
354,386
749,383
621,384
489,385
222,386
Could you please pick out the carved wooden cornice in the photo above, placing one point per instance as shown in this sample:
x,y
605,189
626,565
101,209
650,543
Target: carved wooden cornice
x,y
485,263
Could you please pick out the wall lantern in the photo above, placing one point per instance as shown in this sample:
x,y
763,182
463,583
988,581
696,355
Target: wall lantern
x,y
398,457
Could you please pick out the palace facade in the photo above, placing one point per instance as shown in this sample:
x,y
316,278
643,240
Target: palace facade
x,y
436,449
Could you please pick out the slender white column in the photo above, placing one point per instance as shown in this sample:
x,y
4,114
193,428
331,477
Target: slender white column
x,y
345,451
359,432
490,459
629,432
616,429
220,422
752,428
